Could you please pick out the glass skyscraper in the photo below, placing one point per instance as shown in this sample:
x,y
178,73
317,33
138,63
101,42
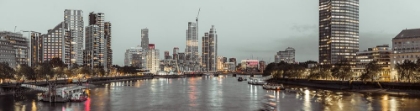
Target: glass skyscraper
x,y
338,31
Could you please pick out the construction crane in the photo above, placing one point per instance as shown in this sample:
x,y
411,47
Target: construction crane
x,y
196,19
195,59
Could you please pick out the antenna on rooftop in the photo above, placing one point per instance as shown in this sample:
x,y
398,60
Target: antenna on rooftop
x,y
15,29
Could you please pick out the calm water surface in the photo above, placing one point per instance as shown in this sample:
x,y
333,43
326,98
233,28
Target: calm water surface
x,y
223,93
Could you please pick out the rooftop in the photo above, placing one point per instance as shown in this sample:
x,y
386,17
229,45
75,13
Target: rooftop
x,y
408,33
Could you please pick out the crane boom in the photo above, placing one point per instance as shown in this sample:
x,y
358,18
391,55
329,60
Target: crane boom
x,y
198,14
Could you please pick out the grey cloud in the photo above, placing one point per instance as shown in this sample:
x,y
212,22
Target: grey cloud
x,y
304,28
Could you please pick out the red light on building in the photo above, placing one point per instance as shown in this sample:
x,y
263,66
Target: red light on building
x,y
151,46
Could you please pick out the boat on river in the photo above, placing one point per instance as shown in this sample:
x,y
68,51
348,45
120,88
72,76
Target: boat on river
x,y
65,94
273,86
53,93
240,79
256,82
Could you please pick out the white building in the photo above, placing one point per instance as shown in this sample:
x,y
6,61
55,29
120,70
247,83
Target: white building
x,y
230,66
152,59
287,56
134,57
74,20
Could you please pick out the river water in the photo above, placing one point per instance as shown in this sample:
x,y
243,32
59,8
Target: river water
x,y
223,93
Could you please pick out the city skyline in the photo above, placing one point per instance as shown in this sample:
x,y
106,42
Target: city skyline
x,y
234,21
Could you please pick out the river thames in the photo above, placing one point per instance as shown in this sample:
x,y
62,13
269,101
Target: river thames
x,y
223,93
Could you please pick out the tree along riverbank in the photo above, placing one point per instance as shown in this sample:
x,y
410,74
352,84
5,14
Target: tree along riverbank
x,y
391,88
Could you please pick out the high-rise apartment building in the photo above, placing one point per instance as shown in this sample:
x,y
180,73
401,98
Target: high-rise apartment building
x,y
219,63
191,50
287,56
108,55
97,52
209,50
152,59
166,55
175,53
36,48
233,60
145,38
74,20
57,44
338,31
134,57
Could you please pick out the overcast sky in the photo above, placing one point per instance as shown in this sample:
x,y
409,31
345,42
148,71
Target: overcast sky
x,y
245,28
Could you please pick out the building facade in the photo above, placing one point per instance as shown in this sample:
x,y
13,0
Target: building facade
x,y
233,60
287,55
57,44
107,32
338,31
74,20
229,66
145,38
191,50
219,63
36,48
209,50
152,58
97,52
7,52
19,44
134,57
175,53
381,54
166,55
405,46
250,65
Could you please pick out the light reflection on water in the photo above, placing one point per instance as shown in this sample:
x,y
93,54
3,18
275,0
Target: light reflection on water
x,y
211,93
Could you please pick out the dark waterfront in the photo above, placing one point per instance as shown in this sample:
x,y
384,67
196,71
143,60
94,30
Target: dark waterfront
x,y
209,94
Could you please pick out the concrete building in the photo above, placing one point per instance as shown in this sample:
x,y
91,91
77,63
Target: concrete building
x,y
250,65
262,66
209,50
152,59
57,44
405,46
233,60
191,50
166,55
381,54
74,20
19,44
97,51
338,31
107,32
287,55
145,38
37,43
7,52
134,57
181,61
175,53
219,63
229,66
